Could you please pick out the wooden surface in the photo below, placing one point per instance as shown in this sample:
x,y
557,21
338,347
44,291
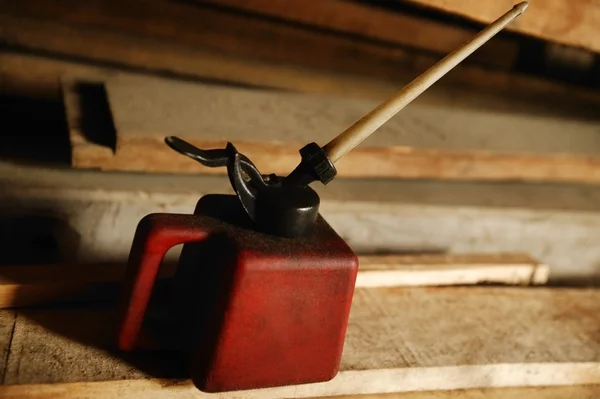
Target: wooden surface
x,y
93,30
97,213
517,337
386,110
489,139
195,25
557,224
29,285
372,22
56,30
562,392
436,270
7,324
574,23
156,389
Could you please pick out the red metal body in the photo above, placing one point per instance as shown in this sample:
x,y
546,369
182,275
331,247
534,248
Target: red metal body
x,y
250,310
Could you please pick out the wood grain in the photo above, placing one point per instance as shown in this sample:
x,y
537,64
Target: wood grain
x,y
7,325
562,392
169,54
574,23
368,21
439,141
30,285
516,338
169,389
108,30
555,223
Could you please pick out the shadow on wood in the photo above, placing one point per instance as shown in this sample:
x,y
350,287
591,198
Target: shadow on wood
x,y
34,130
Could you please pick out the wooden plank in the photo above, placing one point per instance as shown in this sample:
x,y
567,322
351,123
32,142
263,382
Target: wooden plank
x,y
375,23
560,392
169,389
40,76
213,28
517,338
117,48
436,270
91,29
30,285
557,224
574,23
424,141
7,325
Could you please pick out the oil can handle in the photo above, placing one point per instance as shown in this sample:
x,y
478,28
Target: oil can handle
x,y
155,235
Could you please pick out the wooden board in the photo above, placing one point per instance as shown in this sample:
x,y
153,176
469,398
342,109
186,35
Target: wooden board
x,y
170,55
516,337
7,325
217,29
372,22
39,76
97,212
107,30
508,141
574,23
29,285
156,389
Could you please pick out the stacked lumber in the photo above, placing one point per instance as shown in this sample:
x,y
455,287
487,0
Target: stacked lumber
x,y
52,284
430,139
92,216
463,209
517,338
560,21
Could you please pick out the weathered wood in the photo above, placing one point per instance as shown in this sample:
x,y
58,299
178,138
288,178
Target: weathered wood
x,y
95,214
563,392
40,76
386,110
95,29
424,141
575,23
436,270
173,389
368,21
516,337
137,51
30,285
7,325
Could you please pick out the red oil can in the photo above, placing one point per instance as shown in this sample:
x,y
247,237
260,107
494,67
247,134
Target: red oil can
x,y
256,304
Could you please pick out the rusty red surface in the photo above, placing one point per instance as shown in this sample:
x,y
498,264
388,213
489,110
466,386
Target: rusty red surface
x,y
251,310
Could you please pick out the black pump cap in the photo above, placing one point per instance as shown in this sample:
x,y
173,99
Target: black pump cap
x,y
288,211
285,207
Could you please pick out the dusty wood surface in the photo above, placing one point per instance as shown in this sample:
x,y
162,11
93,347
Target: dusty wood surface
x,y
106,26
93,216
517,337
29,285
574,23
378,116
371,22
563,392
136,51
436,270
7,324
152,389
195,25
37,75
491,141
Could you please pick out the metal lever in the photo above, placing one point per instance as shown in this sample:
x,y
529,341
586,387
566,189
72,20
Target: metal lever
x,y
287,206
282,209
